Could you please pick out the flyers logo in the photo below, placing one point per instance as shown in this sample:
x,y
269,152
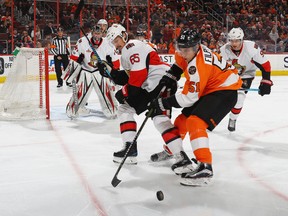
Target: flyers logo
x,y
192,70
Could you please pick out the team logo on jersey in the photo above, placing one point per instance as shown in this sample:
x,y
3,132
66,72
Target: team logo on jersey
x,y
192,70
241,69
93,60
1,66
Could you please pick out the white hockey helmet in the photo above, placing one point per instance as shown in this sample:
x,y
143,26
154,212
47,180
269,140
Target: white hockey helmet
x,y
236,34
114,31
102,22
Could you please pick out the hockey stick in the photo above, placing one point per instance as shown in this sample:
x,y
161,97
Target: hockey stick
x,y
249,89
241,89
115,181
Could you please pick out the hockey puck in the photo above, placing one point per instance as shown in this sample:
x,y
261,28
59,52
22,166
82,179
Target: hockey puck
x,y
160,195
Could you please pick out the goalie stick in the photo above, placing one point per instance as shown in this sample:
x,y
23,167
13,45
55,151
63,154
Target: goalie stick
x,y
115,181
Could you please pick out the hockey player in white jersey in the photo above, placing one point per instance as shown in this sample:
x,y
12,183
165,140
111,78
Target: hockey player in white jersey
x,y
83,69
246,56
142,74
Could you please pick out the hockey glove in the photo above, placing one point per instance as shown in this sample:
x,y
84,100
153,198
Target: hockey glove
x,y
104,69
122,95
265,87
80,58
170,78
159,106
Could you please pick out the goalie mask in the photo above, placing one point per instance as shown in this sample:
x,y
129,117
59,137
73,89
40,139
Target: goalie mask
x,y
235,37
96,35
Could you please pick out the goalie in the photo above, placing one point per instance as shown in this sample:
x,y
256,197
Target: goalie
x,y
84,75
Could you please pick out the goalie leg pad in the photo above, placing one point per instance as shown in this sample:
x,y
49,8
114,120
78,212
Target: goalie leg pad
x,y
72,71
104,89
83,91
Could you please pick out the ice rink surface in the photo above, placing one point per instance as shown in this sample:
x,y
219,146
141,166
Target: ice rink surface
x,y
64,167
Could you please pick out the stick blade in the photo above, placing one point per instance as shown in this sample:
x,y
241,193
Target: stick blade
x,y
115,181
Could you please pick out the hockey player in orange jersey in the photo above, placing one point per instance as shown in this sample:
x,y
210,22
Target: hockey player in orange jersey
x,y
209,93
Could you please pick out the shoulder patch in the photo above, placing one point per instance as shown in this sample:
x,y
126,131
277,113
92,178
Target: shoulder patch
x,y
192,70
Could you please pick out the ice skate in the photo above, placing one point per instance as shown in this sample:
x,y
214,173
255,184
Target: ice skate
x,y
231,125
132,154
161,156
183,164
201,176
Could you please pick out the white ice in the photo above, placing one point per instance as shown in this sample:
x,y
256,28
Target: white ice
x,y
64,167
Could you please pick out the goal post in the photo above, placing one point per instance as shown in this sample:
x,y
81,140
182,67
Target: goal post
x,y
25,93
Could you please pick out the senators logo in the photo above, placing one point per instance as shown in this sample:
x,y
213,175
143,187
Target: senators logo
x,y
241,69
192,70
93,60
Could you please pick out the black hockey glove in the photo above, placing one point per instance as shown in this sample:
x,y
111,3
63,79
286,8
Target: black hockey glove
x,y
170,78
120,97
265,87
104,69
159,106
80,58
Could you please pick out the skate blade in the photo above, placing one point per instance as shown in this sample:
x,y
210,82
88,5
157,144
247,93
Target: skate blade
x,y
129,160
196,182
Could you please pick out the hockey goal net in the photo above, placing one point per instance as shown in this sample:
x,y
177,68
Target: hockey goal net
x,y
25,93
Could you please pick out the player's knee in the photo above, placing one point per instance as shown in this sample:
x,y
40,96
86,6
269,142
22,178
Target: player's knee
x,y
196,127
180,123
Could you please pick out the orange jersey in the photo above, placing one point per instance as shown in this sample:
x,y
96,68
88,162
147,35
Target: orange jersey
x,y
207,72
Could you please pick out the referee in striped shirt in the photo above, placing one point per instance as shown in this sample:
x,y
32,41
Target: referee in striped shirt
x,y
59,49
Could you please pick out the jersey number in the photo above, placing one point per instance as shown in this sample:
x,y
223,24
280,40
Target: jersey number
x,y
193,87
134,58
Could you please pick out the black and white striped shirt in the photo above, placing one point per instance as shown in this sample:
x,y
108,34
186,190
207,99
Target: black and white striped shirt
x,y
59,46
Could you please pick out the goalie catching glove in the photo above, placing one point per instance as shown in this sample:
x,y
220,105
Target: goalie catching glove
x,y
265,87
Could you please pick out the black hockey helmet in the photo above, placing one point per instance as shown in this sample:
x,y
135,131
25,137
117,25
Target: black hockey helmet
x,y
188,38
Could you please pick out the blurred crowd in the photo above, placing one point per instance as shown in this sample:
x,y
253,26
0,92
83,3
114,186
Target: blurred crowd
x,y
263,21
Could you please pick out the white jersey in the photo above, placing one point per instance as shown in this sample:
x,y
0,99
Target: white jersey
x,y
143,64
90,60
245,61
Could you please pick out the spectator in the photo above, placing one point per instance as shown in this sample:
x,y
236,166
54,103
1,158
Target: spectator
x,y
280,46
167,34
38,33
26,40
156,31
49,31
31,12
